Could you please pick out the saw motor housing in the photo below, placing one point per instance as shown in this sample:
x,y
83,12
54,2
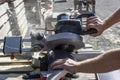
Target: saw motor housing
x,y
66,35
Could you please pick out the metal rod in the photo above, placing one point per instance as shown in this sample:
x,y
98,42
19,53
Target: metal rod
x,y
27,39
26,49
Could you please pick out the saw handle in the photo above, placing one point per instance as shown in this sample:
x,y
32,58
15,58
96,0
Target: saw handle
x,y
89,31
89,14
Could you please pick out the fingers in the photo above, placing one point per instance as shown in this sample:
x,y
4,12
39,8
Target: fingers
x,y
60,63
57,64
96,23
95,27
92,17
60,66
94,20
66,64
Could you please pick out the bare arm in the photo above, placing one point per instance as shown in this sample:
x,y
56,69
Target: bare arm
x,y
109,60
112,19
105,62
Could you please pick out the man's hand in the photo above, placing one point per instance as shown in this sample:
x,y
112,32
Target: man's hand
x,y
67,64
96,23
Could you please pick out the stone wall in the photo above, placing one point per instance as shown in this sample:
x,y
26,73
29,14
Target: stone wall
x,y
15,16
4,20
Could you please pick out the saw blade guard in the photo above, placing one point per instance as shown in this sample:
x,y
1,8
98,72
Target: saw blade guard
x,y
64,41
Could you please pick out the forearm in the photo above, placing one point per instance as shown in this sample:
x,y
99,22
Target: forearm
x,y
112,19
105,62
